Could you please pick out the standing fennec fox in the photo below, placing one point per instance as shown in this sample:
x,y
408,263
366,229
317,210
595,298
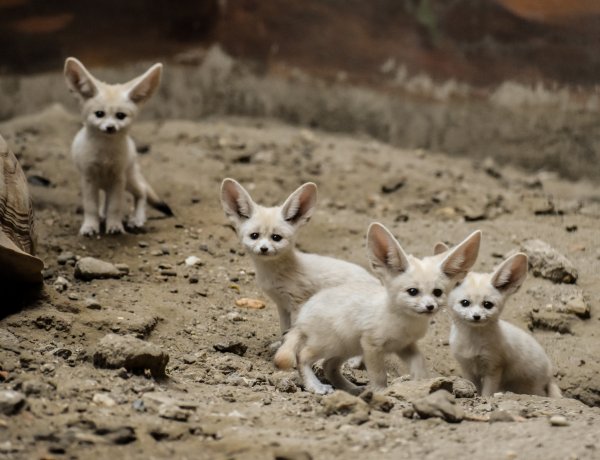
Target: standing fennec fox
x,y
104,153
289,277
494,354
373,320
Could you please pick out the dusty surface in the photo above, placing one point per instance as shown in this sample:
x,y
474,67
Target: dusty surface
x,y
227,406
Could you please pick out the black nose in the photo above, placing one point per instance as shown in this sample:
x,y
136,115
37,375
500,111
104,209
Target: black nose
x,y
110,129
263,249
430,307
476,317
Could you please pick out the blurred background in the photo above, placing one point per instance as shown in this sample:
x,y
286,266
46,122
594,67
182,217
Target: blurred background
x,y
515,80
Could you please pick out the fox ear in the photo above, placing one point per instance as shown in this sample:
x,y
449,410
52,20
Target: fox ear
x,y
439,248
144,86
384,251
79,80
236,201
509,276
300,205
461,258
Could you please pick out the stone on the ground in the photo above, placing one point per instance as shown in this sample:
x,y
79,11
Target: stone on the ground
x,y
11,402
253,304
90,268
92,304
459,387
135,355
559,420
377,401
284,382
237,348
440,404
342,403
173,412
547,262
575,303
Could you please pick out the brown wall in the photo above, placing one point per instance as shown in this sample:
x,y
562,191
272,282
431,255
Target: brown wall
x,y
477,41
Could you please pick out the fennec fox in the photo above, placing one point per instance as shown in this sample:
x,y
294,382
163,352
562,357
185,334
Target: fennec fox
x,y
289,277
104,153
493,354
372,320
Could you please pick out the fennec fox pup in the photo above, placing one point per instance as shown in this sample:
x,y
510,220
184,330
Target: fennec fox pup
x,y
373,320
289,277
104,153
494,354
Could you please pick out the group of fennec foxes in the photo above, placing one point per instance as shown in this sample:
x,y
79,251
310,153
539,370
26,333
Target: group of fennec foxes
x,y
329,310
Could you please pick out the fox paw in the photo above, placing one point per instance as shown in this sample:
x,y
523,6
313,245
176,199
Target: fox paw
x,y
135,225
88,229
115,229
322,389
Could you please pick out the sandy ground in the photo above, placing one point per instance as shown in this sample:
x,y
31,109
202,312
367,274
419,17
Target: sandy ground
x,y
239,406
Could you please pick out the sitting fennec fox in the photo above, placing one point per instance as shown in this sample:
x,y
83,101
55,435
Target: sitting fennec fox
x,y
494,354
104,153
372,320
289,277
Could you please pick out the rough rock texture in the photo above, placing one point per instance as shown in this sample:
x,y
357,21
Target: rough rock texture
x,y
116,351
440,404
547,262
11,402
90,268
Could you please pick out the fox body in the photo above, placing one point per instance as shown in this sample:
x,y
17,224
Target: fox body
x,y
494,354
289,277
105,154
373,320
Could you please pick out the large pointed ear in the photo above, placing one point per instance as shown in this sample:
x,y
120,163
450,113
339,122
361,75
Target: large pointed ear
x,y
236,201
511,273
462,257
439,248
385,253
79,80
144,86
300,205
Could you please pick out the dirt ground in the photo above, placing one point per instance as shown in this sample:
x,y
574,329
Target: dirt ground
x,y
240,406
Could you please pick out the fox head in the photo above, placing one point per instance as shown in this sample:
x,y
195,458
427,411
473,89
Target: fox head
x,y
107,108
418,286
267,232
479,299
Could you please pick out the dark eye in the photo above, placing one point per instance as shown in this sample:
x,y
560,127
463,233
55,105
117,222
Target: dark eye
x,y
99,113
488,305
121,116
412,291
465,302
437,292
275,237
254,236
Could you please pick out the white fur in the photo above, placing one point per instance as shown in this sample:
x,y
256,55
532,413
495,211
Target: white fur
x,y
289,277
102,150
373,320
494,354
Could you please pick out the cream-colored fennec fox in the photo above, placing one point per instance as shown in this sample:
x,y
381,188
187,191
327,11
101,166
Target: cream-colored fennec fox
x,y
373,320
493,354
289,277
104,153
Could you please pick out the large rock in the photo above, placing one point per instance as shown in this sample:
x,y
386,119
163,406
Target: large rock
x,y
115,351
547,262
89,268
11,402
342,403
440,404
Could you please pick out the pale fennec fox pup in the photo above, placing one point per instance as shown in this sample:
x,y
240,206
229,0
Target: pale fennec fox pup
x,y
492,353
104,153
289,277
374,320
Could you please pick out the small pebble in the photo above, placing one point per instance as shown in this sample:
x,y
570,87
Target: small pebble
x,y
559,420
